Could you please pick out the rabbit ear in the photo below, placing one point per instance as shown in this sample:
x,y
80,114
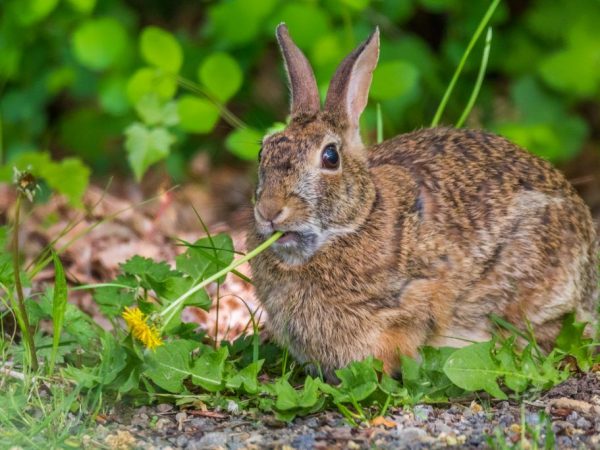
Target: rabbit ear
x,y
305,95
349,89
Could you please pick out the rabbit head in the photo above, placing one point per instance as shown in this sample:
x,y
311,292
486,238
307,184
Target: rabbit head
x,y
313,179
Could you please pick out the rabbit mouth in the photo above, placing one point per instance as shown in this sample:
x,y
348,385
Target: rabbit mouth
x,y
289,237
295,247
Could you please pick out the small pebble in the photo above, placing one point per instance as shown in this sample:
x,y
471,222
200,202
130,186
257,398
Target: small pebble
x,y
410,434
164,408
213,439
162,424
182,440
583,423
422,412
304,442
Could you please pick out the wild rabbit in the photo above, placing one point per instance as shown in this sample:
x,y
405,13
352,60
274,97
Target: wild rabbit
x,y
414,241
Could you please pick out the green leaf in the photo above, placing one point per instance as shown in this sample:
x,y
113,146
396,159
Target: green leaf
x,y
205,257
506,356
112,360
83,6
358,381
571,341
69,177
148,80
246,378
146,146
208,369
153,111
160,49
197,115
230,31
221,75
394,79
472,368
113,95
99,43
170,364
291,402
31,11
297,15
113,300
244,143
59,306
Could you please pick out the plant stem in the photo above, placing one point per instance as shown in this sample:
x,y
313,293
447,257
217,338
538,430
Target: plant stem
x,y
479,82
171,310
379,124
229,117
19,287
482,24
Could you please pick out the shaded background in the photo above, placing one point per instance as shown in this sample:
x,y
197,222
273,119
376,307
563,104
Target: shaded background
x,y
187,89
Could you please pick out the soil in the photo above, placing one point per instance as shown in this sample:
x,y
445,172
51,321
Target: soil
x,y
573,408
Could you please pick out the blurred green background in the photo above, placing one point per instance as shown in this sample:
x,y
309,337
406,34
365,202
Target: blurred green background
x,y
123,84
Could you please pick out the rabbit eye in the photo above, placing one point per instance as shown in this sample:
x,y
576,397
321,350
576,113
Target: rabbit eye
x,y
330,158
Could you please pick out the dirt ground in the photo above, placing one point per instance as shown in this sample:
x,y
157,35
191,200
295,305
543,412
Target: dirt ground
x,y
573,408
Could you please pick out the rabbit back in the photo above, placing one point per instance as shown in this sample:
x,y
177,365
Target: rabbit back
x,y
522,242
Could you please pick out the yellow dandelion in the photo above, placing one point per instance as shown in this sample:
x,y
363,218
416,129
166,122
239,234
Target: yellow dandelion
x,y
141,330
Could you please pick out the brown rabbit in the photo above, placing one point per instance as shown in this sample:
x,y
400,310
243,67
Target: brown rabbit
x,y
414,241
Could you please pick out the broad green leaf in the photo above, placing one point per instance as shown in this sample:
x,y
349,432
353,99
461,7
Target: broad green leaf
x,y
207,371
291,402
146,146
472,368
358,380
221,75
394,79
231,32
244,143
197,115
297,15
153,111
571,341
148,80
59,306
83,6
31,11
287,397
160,49
205,257
506,356
100,43
170,364
69,177
113,300
113,95
246,378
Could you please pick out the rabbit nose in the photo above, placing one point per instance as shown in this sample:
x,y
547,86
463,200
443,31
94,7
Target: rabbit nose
x,y
272,211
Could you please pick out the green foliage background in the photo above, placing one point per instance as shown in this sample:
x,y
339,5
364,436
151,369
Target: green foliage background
x,y
158,80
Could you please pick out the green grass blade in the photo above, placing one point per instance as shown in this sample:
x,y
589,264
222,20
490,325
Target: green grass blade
x,y
482,24
479,82
59,306
379,124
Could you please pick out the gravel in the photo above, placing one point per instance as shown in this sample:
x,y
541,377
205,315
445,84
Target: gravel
x,y
574,408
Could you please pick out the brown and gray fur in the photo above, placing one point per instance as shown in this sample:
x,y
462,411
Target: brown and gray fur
x,y
414,241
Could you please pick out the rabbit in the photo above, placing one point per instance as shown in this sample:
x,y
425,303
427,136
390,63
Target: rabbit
x,y
414,241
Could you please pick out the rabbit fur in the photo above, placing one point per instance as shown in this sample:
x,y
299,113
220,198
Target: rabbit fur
x,y
414,241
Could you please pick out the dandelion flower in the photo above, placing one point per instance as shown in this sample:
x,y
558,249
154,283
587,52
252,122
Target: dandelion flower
x,y
141,330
